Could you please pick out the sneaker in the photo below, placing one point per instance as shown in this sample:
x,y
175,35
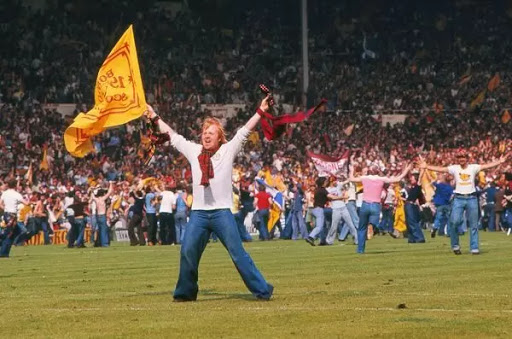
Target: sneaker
x,y
310,241
457,251
433,233
475,252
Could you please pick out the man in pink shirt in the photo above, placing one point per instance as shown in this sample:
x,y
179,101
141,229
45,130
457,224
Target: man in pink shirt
x,y
370,210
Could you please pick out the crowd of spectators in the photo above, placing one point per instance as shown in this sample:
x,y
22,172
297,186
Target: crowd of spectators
x,y
427,61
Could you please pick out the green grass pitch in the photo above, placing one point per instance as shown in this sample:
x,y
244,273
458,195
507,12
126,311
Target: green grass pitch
x,y
395,290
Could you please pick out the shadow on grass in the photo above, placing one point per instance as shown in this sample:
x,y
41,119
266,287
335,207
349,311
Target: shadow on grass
x,y
211,295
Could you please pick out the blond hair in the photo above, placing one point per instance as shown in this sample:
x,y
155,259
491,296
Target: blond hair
x,y
215,122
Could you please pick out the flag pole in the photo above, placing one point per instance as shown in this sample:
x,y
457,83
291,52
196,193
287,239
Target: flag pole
x,y
305,62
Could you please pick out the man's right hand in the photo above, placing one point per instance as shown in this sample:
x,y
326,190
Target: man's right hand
x,y
149,113
264,106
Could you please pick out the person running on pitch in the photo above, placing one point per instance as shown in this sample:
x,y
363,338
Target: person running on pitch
x,y
369,213
465,199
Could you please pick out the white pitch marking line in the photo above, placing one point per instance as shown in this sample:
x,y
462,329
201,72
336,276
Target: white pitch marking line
x,y
285,308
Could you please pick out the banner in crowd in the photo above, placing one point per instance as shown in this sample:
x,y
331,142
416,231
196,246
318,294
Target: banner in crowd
x,y
326,165
391,119
118,97
223,110
60,237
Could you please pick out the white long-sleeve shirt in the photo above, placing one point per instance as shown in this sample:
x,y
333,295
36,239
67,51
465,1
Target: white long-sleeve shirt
x,y
218,194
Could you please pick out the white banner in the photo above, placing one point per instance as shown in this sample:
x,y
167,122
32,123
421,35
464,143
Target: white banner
x,y
220,110
326,165
391,119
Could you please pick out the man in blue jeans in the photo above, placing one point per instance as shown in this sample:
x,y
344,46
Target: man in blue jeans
x,y
150,205
465,199
490,194
442,200
297,212
414,199
212,170
99,198
373,185
10,201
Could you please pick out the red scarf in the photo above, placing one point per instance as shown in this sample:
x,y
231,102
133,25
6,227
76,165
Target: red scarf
x,y
205,163
273,127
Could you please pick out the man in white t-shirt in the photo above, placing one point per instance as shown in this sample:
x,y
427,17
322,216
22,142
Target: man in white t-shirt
x,y
465,199
212,171
9,203
167,204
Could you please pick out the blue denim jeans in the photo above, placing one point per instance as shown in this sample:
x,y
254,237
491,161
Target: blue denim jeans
x,y
263,221
459,206
94,227
167,230
222,222
7,235
287,230
152,227
318,213
507,218
386,222
412,220
298,225
22,234
43,224
369,214
441,218
491,217
80,228
352,209
103,229
338,215
180,224
242,230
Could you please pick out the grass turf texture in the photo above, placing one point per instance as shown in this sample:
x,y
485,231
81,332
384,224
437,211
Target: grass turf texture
x,y
395,290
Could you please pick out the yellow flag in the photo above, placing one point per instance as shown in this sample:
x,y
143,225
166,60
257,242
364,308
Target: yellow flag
x,y
481,178
44,163
479,100
118,97
148,181
254,138
427,186
273,217
399,223
117,203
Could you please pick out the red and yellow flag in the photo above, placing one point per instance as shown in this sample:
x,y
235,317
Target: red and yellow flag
x,y
348,131
494,82
30,173
479,100
505,118
118,97
464,79
44,162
